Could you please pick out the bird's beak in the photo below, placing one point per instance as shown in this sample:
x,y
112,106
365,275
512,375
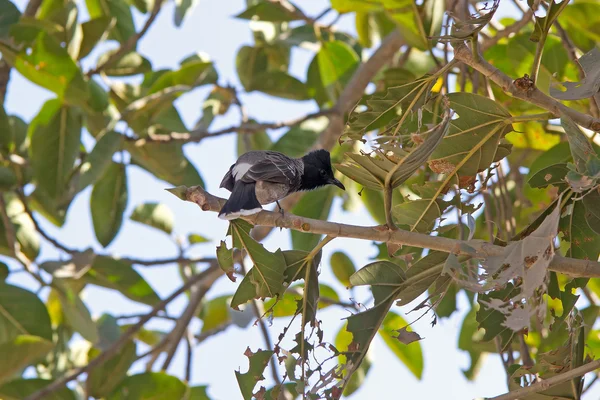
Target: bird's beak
x,y
337,183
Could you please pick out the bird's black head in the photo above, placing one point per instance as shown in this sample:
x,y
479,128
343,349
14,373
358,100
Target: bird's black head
x,y
317,171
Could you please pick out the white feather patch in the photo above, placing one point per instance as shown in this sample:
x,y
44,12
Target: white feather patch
x,y
240,170
241,213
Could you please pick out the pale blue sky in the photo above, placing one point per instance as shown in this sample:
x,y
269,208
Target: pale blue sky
x,y
211,29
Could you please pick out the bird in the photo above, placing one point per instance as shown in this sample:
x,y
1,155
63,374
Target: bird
x,y
262,177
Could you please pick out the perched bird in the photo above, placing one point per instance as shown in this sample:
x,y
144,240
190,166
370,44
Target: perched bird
x,y
263,177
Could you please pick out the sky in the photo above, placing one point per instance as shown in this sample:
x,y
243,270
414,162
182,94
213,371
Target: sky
x,y
211,29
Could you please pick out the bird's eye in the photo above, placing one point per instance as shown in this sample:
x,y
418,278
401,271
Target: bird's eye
x,y
323,172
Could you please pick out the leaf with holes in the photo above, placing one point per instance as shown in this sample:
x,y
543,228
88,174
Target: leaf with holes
x,y
258,362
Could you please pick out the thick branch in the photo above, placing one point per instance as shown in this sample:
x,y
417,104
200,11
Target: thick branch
x,y
548,383
527,93
131,42
208,275
208,202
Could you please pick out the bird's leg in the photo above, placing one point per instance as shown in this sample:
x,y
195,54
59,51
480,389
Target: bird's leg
x,y
280,209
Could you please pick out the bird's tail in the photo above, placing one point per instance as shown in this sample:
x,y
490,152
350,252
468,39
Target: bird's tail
x,y
242,202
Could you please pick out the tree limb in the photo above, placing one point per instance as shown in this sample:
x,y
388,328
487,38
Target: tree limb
x,y
527,93
208,202
208,275
548,383
130,43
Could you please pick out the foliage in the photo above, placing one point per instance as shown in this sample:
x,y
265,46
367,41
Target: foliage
x,y
452,157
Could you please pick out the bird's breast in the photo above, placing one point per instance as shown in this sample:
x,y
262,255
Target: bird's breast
x,y
267,192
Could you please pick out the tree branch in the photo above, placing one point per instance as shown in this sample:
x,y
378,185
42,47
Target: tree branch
x,y
548,383
208,202
208,275
525,92
130,43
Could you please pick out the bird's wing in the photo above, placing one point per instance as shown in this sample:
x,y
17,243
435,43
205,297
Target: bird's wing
x,y
273,167
228,180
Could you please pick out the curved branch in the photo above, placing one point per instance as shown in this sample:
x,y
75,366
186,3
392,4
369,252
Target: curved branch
x,y
527,93
208,202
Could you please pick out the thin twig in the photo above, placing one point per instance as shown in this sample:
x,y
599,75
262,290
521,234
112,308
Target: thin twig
x,y
208,275
130,43
548,383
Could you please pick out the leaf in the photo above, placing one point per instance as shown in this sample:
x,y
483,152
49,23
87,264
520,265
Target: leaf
x,y
462,29
543,24
156,215
491,319
99,160
119,275
291,301
215,313
55,139
585,174
149,385
120,10
402,346
391,109
109,331
194,72
258,362
337,63
25,232
306,208
93,31
183,8
75,311
21,351
588,86
22,313
591,202
199,393
584,242
225,259
280,84
550,167
194,238
4,272
131,63
108,202
270,12
267,274
9,15
343,340
49,65
469,335
18,389
342,267
390,160
105,377
421,214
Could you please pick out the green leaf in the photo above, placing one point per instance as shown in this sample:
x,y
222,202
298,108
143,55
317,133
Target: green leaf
x,y
183,8
118,9
8,179
99,160
583,240
19,389
75,311
256,141
225,259
215,313
249,62
142,6
199,393
194,238
591,202
115,274
288,304
554,159
337,63
94,31
20,352
470,334
105,377
343,341
543,24
342,267
49,208
297,140
25,231
9,15
411,354
463,29
270,12
306,208
50,66
156,215
280,84
267,274
22,313
166,161
492,320
98,101
193,73
131,63
6,133
55,139
4,272
108,202
421,214
149,386
258,362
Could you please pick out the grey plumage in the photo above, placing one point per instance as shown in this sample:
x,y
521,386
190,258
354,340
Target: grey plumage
x,y
262,177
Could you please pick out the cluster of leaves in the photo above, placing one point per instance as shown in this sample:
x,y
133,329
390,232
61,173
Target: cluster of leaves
x,y
420,149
